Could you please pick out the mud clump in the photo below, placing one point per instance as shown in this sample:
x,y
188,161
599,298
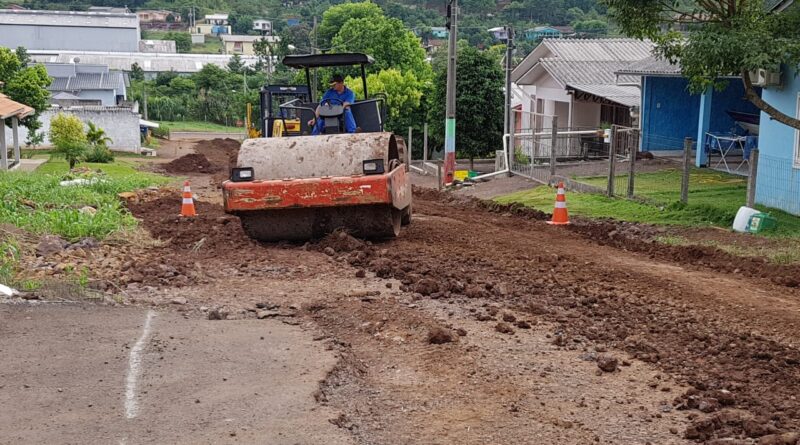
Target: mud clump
x,y
191,163
440,336
426,286
340,242
504,328
607,363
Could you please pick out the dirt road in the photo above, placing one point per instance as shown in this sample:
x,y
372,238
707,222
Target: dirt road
x,y
481,324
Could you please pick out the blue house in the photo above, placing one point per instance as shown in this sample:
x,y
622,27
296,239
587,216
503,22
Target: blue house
x,y
669,113
542,32
439,32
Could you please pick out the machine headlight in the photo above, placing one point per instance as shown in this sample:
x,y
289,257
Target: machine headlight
x,y
242,174
373,167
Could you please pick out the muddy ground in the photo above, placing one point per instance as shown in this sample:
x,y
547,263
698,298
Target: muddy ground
x,y
483,324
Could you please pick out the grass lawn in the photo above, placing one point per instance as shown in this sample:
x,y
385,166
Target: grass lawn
x,y
200,126
37,203
213,45
714,198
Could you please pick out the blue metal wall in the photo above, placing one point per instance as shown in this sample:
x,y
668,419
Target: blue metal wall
x,y
670,113
778,181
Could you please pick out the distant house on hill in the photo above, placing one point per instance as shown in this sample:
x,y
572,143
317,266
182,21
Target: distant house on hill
x,y
216,24
157,16
240,44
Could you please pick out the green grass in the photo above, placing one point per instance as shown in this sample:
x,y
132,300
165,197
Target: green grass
x,y
37,203
714,199
40,153
200,126
213,45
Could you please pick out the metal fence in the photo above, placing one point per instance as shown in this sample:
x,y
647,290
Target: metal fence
x,y
585,159
778,183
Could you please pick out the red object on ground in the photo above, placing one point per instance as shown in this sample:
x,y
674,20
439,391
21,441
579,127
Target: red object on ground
x,y
560,216
187,206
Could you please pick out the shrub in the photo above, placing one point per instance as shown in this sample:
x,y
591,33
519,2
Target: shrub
x,y
161,132
66,129
73,152
96,136
100,155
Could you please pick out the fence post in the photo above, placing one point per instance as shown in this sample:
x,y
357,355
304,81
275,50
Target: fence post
x,y
510,147
751,180
424,145
612,161
553,140
439,175
633,150
687,166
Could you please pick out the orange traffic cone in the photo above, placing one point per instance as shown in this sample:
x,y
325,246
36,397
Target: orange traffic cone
x,y
560,216
187,208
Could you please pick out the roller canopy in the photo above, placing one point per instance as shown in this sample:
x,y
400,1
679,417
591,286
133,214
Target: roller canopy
x,y
321,60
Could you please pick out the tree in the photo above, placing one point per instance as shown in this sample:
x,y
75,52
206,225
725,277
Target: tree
x,y
235,64
22,55
137,73
183,41
593,26
66,133
25,84
479,104
403,96
210,77
726,38
336,16
388,41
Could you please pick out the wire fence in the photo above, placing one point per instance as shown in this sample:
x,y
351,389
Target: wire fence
x,y
778,183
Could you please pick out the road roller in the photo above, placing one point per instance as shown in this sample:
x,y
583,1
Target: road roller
x,y
293,185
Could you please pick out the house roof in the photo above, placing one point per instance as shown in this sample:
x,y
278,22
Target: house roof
x,y
113,80
10,108
157,46
651,66
63,95
68,18
149,62
587,65
216,16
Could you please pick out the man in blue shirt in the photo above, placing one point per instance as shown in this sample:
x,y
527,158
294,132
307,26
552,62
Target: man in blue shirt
x,y
341,95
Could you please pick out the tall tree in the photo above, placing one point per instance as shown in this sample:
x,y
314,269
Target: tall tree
x,y
25,84
727,37
336,16
403,94
479,104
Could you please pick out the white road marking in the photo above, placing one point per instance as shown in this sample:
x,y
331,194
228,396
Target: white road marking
x,y
135,368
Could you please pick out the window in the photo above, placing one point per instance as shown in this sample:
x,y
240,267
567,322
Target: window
x,y
797,136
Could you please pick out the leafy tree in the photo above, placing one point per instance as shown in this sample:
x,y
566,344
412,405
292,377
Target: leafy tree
x,y
479,104
66,133
726,37
336,16
137,73
183,41
164,78
387,40
210,77
22,55
592,26
403,96
25,84
241,23
235,64
182,85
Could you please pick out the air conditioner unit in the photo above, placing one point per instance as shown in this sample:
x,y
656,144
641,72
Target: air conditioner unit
x,y
764,78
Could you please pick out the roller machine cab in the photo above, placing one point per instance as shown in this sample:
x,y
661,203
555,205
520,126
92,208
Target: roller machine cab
x,y
292,185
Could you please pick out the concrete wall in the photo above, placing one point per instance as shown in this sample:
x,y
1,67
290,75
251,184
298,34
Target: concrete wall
x,y
107,97
778,181
121,125
670,113
246,48
70,38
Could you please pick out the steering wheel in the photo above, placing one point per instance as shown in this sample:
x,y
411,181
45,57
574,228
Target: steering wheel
x,y
331,101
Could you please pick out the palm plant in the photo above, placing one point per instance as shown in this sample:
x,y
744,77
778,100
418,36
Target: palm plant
x,y
96,136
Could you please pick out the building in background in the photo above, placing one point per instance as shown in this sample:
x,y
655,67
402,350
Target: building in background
x,y
151,63
157,16
158,46
239,44
264,27
69,30
576,80
215,24
87,82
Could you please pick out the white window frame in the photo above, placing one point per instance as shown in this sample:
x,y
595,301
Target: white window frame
x,y
796,162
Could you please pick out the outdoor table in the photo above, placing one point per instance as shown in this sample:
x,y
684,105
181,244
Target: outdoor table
x,y
723,143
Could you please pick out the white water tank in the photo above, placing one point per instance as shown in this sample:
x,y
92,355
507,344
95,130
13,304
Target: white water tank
x,y
743,218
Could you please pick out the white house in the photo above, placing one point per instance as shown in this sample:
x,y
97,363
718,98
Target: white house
x,y
575,80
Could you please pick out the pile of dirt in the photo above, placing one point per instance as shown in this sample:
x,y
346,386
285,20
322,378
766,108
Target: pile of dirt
x,y
469,202
676,329
191,163
222,154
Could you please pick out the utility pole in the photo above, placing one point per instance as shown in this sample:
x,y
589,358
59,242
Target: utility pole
x,y
509,66
450,109
144,98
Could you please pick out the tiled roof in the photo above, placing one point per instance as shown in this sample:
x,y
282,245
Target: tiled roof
x,y
651,66
10,108
113,80
599,50
149,62
623,95
247,38
583,72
